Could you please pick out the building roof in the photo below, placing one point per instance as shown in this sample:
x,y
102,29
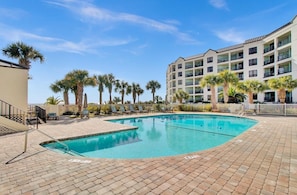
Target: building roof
x,y
4,63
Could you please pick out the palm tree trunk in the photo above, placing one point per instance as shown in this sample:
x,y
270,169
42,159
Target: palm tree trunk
x,y
251,99
123,97
282,95
100,97
80,91
226,97
213,98
66,98
110,98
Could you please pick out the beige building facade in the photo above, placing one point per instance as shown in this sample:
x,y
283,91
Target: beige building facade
x,y
13,92
269,56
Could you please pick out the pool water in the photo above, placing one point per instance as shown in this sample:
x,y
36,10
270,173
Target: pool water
x,y
158,136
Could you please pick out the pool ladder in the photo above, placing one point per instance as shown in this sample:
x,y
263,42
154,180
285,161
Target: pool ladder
x,y
66,147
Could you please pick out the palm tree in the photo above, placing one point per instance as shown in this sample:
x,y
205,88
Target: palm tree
x,y
211,80
24,53
116,100
282,84
227,78
158,99
62,86
109,82
153,86
134,89
250,87
181,95
122,88
100,80
139,91
234,94
81,78
53,101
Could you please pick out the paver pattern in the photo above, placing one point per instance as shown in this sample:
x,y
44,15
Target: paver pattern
x,y
262,160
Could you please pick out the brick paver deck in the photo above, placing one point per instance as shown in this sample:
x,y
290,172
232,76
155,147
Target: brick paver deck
x,y
263,160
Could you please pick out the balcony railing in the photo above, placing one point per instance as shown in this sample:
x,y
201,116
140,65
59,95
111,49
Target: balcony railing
x,y
237,67
283,56
223,60
268,62
268,49
198,73
268,74
189,75
284,42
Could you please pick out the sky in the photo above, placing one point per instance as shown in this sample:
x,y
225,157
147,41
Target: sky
x,y
135,40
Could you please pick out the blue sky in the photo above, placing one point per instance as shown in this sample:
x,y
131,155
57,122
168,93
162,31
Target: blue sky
x,y
133,39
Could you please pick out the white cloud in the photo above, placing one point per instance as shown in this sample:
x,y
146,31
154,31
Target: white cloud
x,y
9,34
92,13
230,35
220,4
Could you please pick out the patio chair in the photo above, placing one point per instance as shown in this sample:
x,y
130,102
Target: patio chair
x,y
114,110
123,110
131,108
85,113
141,110
52,116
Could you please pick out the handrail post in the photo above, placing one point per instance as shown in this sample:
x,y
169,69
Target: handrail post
x,y
26,141
37,120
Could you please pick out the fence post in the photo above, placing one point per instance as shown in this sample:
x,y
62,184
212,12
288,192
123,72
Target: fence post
x,y
285,109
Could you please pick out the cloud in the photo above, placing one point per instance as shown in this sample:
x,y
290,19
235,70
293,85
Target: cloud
x,y
94,14
230,35
9,34
220,4
11,13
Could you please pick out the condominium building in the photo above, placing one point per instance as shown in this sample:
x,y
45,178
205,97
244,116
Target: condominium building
x,y
261,58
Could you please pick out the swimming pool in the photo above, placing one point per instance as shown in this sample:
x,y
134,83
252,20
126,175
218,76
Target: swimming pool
x,y
158,136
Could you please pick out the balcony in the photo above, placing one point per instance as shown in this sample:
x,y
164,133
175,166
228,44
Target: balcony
x,y
269,48
223,60
268,74
188,66
189,75
237,66
284,69
284,41
198,63
198,91
284,56
268,61
199,73
237,56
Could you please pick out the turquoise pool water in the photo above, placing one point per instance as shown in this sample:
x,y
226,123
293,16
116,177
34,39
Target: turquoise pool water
x,y
158,136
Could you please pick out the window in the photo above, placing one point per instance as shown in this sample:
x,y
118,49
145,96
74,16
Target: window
x,y
255,96
209,59
208,88
252,50
180,82
180,74
210,69
253,62
252,73
269,97
179,66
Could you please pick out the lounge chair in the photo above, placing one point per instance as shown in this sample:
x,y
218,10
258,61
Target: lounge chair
x,y
123,110
114,110
52,116
131,108
141,110
85,113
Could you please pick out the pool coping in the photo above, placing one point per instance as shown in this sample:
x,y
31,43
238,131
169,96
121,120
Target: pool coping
x,y
261,160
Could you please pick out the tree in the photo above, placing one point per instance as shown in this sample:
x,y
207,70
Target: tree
x,y
116,100
24,53
181,95
81,78
211,80
53,101
122,88
226,78
282,84
234,95
134,90
250,87
139,91
100,81
153,86
109,83
158,99
62,86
